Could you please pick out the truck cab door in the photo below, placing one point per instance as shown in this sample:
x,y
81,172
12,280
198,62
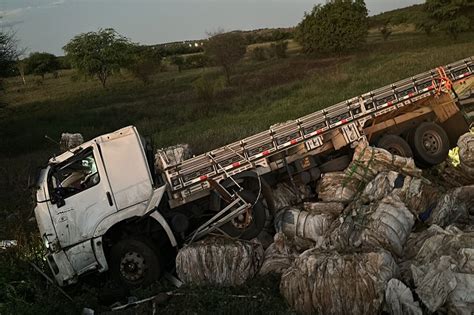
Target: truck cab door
x,y
81,196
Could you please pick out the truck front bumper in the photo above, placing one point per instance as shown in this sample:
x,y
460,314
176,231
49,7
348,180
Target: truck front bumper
x,y
61,268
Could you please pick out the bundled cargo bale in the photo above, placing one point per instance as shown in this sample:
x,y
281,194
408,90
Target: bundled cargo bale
x,y
284,196
368,161
445,242
70,141
389,226
443,269
466,154
296,223
434,282
457,205
278,256
426,246
172,155
337,187
329,208
386,224
441,285
419,194
399,299
334,283
219,261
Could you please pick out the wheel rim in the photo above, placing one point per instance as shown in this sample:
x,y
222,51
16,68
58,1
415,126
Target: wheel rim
x,y
132,266
432,142
243,220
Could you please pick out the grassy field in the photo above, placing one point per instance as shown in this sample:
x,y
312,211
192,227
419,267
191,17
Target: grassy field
x,y
171,111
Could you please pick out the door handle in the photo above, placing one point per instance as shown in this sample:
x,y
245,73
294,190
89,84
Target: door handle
x,y
109,198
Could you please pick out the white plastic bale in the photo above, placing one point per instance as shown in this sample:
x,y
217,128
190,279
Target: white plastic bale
x,y
334,283
445,242
337,187
399,299
328,208
278,256
219,261
294,223
434,282
466,153
70,141
284,196
457,205
389,226
384,224
172,155
368,161
443,270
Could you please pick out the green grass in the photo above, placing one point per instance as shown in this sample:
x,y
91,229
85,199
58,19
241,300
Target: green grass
x,y
170,111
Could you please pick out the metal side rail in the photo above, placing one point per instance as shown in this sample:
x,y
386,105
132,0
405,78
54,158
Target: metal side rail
x,y
221,218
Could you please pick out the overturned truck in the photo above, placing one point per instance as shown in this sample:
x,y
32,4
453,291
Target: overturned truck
x,y
111,204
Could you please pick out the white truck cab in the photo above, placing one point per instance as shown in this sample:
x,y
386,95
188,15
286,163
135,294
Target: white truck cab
x,y
84,192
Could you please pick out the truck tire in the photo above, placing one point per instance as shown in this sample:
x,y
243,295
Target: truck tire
x,y
335,165
238,229
134,262
430,144
395,145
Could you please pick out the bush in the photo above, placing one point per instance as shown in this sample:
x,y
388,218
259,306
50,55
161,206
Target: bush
x,y
207,89
336,27
196,61
385,30
279,49
145,61
259,54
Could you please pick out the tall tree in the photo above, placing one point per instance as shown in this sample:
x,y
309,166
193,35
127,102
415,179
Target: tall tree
x,y
9,52
99,53
41,63
451,16
336,27
226,49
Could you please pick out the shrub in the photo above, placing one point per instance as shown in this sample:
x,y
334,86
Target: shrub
x,y
336,27
279,49
259,53
196,61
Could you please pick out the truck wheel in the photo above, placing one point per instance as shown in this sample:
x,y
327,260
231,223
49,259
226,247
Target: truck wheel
x,y
248,225
336,165
395,145
134,262
430,144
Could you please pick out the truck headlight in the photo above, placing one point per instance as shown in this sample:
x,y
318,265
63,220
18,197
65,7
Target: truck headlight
x,y
46,243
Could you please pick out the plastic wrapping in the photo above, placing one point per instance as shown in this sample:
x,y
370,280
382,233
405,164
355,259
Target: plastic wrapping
x,y
219,261
279,256
399,299
173,155
334,283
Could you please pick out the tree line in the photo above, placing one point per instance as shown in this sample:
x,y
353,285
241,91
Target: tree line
x,y
339,26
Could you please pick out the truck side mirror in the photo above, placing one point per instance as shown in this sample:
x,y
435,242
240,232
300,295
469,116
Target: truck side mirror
x,y
60,201
58,197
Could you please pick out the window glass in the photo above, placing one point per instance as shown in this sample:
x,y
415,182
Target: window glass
x,y
75,175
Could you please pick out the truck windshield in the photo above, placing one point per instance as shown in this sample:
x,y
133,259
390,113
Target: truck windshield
x,y
75,175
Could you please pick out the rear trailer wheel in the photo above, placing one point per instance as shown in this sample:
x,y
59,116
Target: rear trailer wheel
x,y
335,165
430,144
251,222
134,263
395,145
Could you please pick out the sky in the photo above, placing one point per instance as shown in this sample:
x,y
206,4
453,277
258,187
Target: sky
x,y
47,25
